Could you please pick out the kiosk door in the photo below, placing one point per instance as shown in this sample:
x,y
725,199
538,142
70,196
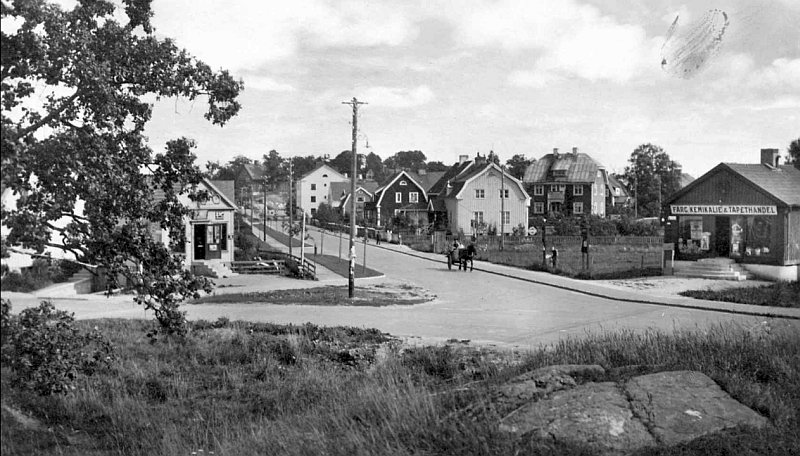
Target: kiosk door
x,y
200,242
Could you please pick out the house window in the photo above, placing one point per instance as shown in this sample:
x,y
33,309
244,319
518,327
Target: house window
x,y
313,199
538,190
479,193
477,217
413,197
504,193
557,187
403,183
313,212
577,190
325,175
506,217
538,208
398,197
360,199
577,208
313,186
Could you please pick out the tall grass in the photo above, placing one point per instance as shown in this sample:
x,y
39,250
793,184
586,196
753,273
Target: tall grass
x,y
239,388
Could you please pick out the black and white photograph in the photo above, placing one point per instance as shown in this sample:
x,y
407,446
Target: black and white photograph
x,y
400,227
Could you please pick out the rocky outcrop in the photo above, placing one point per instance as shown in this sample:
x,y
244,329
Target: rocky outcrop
x,y
665,408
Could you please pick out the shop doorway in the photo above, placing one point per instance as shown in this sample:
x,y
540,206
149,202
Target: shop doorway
x,y
722,236
200,242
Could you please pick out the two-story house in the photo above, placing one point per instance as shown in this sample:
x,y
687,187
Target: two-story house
x,y
313,188
568,183
616,193
479,195
400,194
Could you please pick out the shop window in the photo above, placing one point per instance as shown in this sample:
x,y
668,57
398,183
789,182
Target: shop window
x,y
758,241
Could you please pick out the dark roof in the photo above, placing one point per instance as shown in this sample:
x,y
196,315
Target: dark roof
x,y
427,180
226,187
449,175
782,182
578,167
254,171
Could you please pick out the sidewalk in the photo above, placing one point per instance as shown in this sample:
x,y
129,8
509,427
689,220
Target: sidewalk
x,y
598,290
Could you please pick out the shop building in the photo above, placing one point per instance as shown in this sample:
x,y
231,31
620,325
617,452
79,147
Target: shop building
x,y
748,213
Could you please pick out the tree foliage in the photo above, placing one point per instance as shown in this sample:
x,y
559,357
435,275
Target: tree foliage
x,y
517,165
435,166
794,153
229,170
74,113
653,177
411,160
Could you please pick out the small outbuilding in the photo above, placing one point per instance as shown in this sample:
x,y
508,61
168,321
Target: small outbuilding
x,y
749,213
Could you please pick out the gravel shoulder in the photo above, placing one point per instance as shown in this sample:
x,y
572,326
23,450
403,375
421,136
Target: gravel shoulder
x,y
670,286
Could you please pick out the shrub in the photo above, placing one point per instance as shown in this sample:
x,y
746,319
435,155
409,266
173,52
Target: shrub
x,y
46,352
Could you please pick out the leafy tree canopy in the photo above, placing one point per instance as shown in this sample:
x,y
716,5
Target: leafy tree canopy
x,y
652,176
73,116
229,170
517,165
436,166
794,153
411,160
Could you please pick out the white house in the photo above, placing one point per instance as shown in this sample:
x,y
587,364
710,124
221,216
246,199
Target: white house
x,y
313,188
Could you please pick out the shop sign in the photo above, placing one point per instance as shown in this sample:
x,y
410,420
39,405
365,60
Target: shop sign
x,y
737,209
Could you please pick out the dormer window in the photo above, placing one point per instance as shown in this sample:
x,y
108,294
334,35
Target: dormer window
x,y
403,182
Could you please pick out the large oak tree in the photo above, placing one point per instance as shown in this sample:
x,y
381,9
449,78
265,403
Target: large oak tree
x,y
77,87
652,176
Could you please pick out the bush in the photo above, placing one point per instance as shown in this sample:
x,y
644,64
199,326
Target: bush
x,y
46,352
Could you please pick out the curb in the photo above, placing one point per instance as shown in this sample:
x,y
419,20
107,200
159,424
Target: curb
x,y
765,314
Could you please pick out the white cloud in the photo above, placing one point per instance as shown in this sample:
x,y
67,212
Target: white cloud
x,y
573,39
537,79
266,84
244,35
393,97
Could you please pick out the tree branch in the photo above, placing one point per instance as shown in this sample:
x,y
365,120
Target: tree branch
x,y
44,120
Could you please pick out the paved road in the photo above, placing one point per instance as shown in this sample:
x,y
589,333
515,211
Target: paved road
x,y
479,306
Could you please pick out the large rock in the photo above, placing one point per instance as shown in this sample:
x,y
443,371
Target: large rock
x,y
683,405
664,408
597,414
541,382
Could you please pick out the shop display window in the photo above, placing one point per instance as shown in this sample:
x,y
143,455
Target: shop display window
x,y
690,240
758,237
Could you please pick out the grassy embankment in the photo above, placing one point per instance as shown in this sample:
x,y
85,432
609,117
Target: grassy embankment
x,y
779,294
241,388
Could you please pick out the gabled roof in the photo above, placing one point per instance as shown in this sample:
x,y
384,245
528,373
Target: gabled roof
x,y
578,167
614,183
782,183
226,188
323,165
254,171
465,178
225,193
454,171
427,180
392,179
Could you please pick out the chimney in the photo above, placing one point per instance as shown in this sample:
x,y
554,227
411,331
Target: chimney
x,y
575,151
770,157
462,158
555,152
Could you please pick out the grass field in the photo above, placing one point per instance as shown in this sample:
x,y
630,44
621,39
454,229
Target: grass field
x,y
779,294
233,388
330,295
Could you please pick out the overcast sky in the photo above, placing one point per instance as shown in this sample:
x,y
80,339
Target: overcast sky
x,y
516,76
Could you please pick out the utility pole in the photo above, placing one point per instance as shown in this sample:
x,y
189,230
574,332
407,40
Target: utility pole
x,y
290,207
264,215
351,282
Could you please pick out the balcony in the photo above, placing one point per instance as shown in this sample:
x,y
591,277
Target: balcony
x,y
555,196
